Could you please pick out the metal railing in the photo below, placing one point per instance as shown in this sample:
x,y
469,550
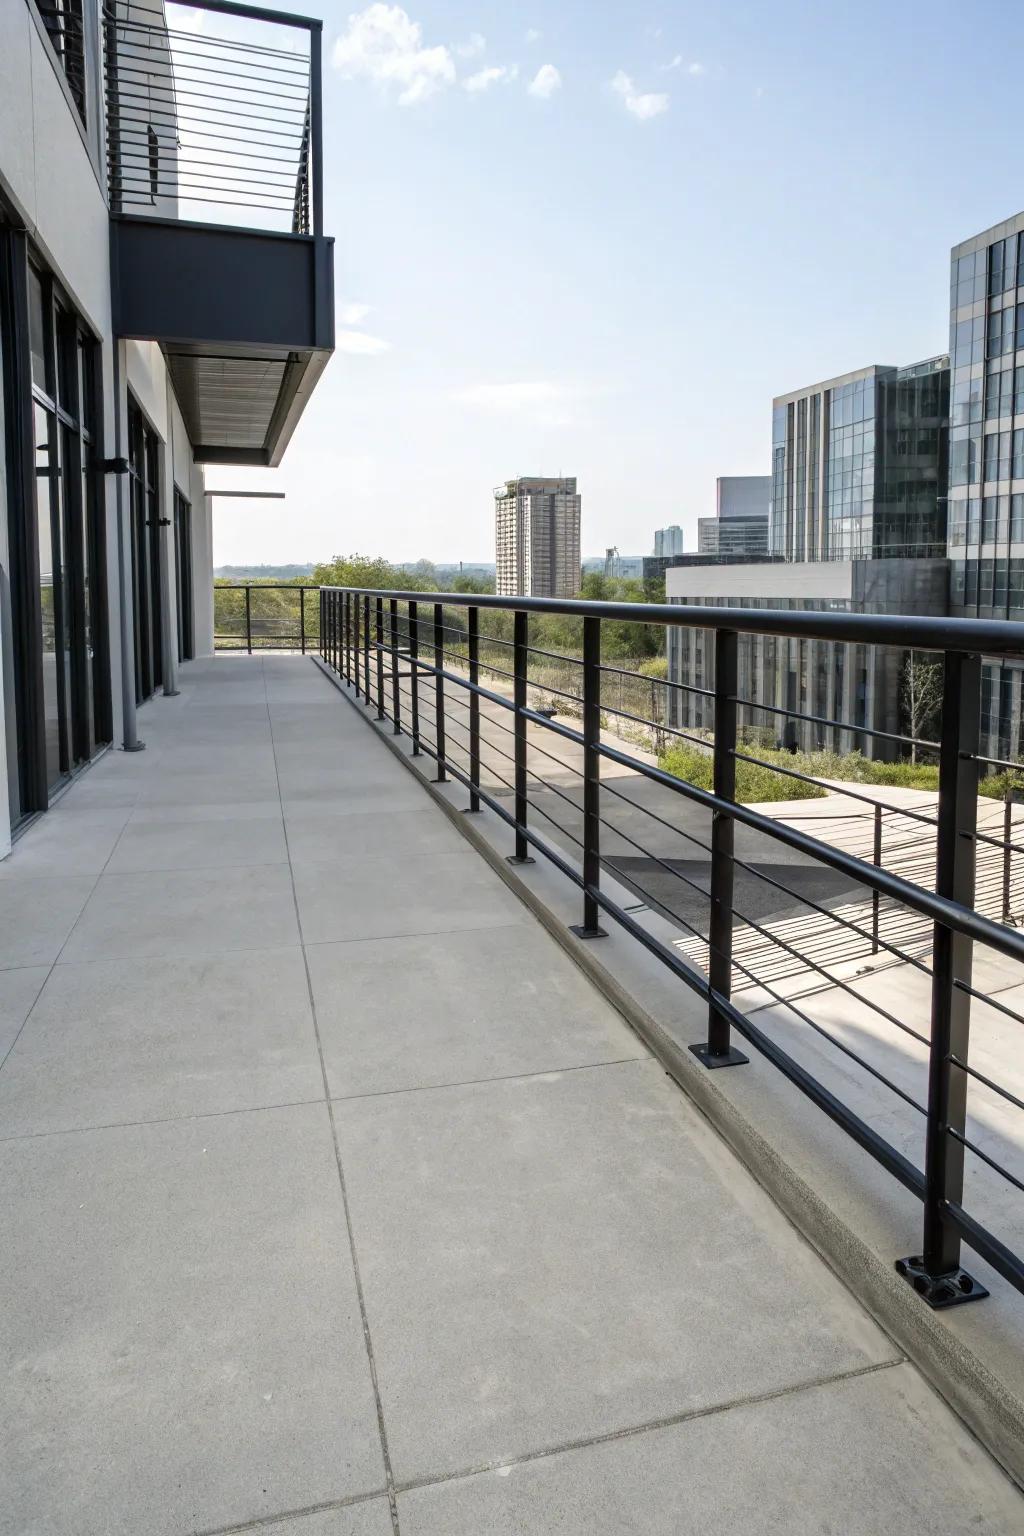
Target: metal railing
x,y
420,660
266,616
215,117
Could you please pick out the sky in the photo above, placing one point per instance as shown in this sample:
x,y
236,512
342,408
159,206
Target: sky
x,y
591,238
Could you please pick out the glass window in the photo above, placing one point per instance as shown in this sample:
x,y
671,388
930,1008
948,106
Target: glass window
x,y
1017,518
1017,463
64,25
37,329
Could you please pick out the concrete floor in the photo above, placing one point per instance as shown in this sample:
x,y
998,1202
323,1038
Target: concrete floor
x,y
337,1202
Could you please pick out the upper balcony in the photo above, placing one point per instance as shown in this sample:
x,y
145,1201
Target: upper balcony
x,y
215,170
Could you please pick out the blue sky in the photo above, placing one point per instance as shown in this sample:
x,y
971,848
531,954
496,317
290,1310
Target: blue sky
x,y
611,274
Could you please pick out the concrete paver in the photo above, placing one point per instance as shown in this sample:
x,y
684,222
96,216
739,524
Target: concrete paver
x,y
534,1294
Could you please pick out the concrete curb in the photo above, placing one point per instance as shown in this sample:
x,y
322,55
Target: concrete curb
x,y
993,1412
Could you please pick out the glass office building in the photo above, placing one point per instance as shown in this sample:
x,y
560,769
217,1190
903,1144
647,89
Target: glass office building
x,y
986,479
859,465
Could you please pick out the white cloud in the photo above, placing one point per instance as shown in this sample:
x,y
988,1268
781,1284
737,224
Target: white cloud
x,y
485,78
695,69
677,63
353,314
385,45
508,398
473,48
358,344
641,106
533,36
545,82
673,63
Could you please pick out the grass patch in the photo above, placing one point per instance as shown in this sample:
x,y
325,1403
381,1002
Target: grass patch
x,y
753,783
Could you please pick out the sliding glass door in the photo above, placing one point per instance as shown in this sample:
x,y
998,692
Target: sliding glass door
x,y
71,685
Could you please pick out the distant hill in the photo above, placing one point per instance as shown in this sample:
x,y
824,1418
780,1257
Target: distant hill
x,y
261,572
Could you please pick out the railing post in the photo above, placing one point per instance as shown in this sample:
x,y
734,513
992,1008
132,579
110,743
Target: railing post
x,y
323,604
473,648
439,736
396,697
590,928
936,1274
414,676
876,900
380,658
248,620
1007,854
718,1050
366,649
302,619
354,605
520,662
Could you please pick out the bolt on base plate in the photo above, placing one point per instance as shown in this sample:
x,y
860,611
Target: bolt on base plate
x,y
582,932
940,1291
730,1058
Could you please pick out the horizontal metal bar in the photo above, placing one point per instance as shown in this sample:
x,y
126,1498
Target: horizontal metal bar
x,y
938,908
989,637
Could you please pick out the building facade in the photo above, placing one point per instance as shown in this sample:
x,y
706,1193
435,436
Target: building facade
x,y
668,542
860,685
986,480
860,463
537,537
742,512
140,339
623,567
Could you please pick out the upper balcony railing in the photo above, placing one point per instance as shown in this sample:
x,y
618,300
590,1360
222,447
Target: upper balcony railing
x,y
866,948
214,114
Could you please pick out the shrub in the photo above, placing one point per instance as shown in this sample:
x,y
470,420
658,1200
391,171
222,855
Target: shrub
x,y
753,783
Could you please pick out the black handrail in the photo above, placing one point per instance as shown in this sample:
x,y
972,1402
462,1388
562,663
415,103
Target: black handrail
x,y
403,631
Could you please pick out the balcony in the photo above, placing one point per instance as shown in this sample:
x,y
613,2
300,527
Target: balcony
x,y
215,162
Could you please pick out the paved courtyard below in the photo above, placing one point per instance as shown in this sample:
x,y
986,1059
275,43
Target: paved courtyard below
x,y
337,1202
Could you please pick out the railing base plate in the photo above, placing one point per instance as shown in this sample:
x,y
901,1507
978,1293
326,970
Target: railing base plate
x,y
730,1058
940,1291
583,932
514,859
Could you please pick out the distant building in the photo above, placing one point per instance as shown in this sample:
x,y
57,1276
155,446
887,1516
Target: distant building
x,y
859,685
859,465
619,567
986,470
740,525
668,541
537,537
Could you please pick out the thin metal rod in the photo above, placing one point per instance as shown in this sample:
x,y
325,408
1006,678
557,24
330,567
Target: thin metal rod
x,y
302,618
366,650
248,619
876,900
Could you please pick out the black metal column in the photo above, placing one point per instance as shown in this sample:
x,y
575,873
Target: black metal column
x,y
718,1050
302,619
354,606
876,900
396,697
936,1274
520,663
366,649
439,737
380,658
414,676
473,646
248,620
590,928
